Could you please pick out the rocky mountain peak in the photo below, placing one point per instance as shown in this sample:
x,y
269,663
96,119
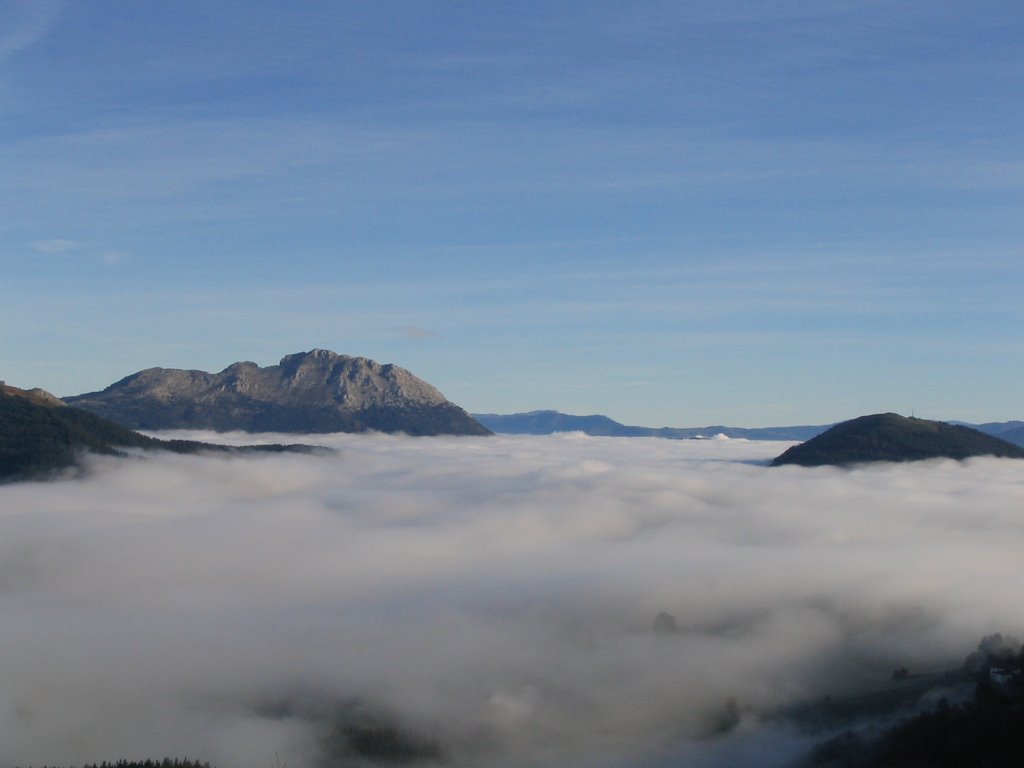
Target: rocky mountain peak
x,y
314,391
353,381
35,395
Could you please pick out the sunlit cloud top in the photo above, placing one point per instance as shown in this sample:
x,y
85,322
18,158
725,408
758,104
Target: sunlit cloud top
x,y
498,596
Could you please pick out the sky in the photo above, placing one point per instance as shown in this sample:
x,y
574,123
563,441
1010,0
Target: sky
x,y
495,596
672,213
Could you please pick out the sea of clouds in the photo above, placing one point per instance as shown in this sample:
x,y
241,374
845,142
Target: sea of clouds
x,y
496,599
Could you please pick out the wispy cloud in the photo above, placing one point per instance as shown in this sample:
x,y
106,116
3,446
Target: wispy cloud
x,y
55,245
415,332
24,22
110,258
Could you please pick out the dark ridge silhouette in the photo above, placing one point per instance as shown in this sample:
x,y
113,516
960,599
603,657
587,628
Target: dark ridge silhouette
x,y
985,731
167,762
37,438
891,437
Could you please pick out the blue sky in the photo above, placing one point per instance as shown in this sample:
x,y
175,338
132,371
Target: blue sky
x,y
677,213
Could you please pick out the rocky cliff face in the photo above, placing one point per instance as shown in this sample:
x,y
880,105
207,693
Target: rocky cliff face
x,y
317,391
35,395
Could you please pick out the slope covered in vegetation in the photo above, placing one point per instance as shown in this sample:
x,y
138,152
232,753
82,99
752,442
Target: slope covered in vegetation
x,y
37,438
891,437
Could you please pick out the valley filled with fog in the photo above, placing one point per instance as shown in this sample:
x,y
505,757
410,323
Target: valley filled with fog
x,y
501,601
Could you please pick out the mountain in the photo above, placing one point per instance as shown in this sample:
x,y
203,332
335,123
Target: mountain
x,y
891,437
39,434
1010,431
1015,436
316,391
37,396
548,422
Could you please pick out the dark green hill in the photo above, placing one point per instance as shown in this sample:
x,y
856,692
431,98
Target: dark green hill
x,y
891,437
985,730
37,438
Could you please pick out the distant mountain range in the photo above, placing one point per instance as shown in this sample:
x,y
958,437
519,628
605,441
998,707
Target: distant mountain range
x,y
549,422
316,391
40,434
1010,431
891,437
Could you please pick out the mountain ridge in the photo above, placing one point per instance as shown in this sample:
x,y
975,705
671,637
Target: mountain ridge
x,y
891,437
307,392
35,395
545,422
40,435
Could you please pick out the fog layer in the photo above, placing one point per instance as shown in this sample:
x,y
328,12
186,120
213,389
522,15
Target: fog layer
x,y
496,599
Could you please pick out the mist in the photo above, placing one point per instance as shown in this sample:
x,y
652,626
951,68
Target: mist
x,y
495,600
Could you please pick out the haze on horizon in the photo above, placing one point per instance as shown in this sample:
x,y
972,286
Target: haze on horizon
x,y
732,212
496,595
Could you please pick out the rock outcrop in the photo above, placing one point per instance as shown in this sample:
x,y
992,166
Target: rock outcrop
x,y
317,391
35,395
